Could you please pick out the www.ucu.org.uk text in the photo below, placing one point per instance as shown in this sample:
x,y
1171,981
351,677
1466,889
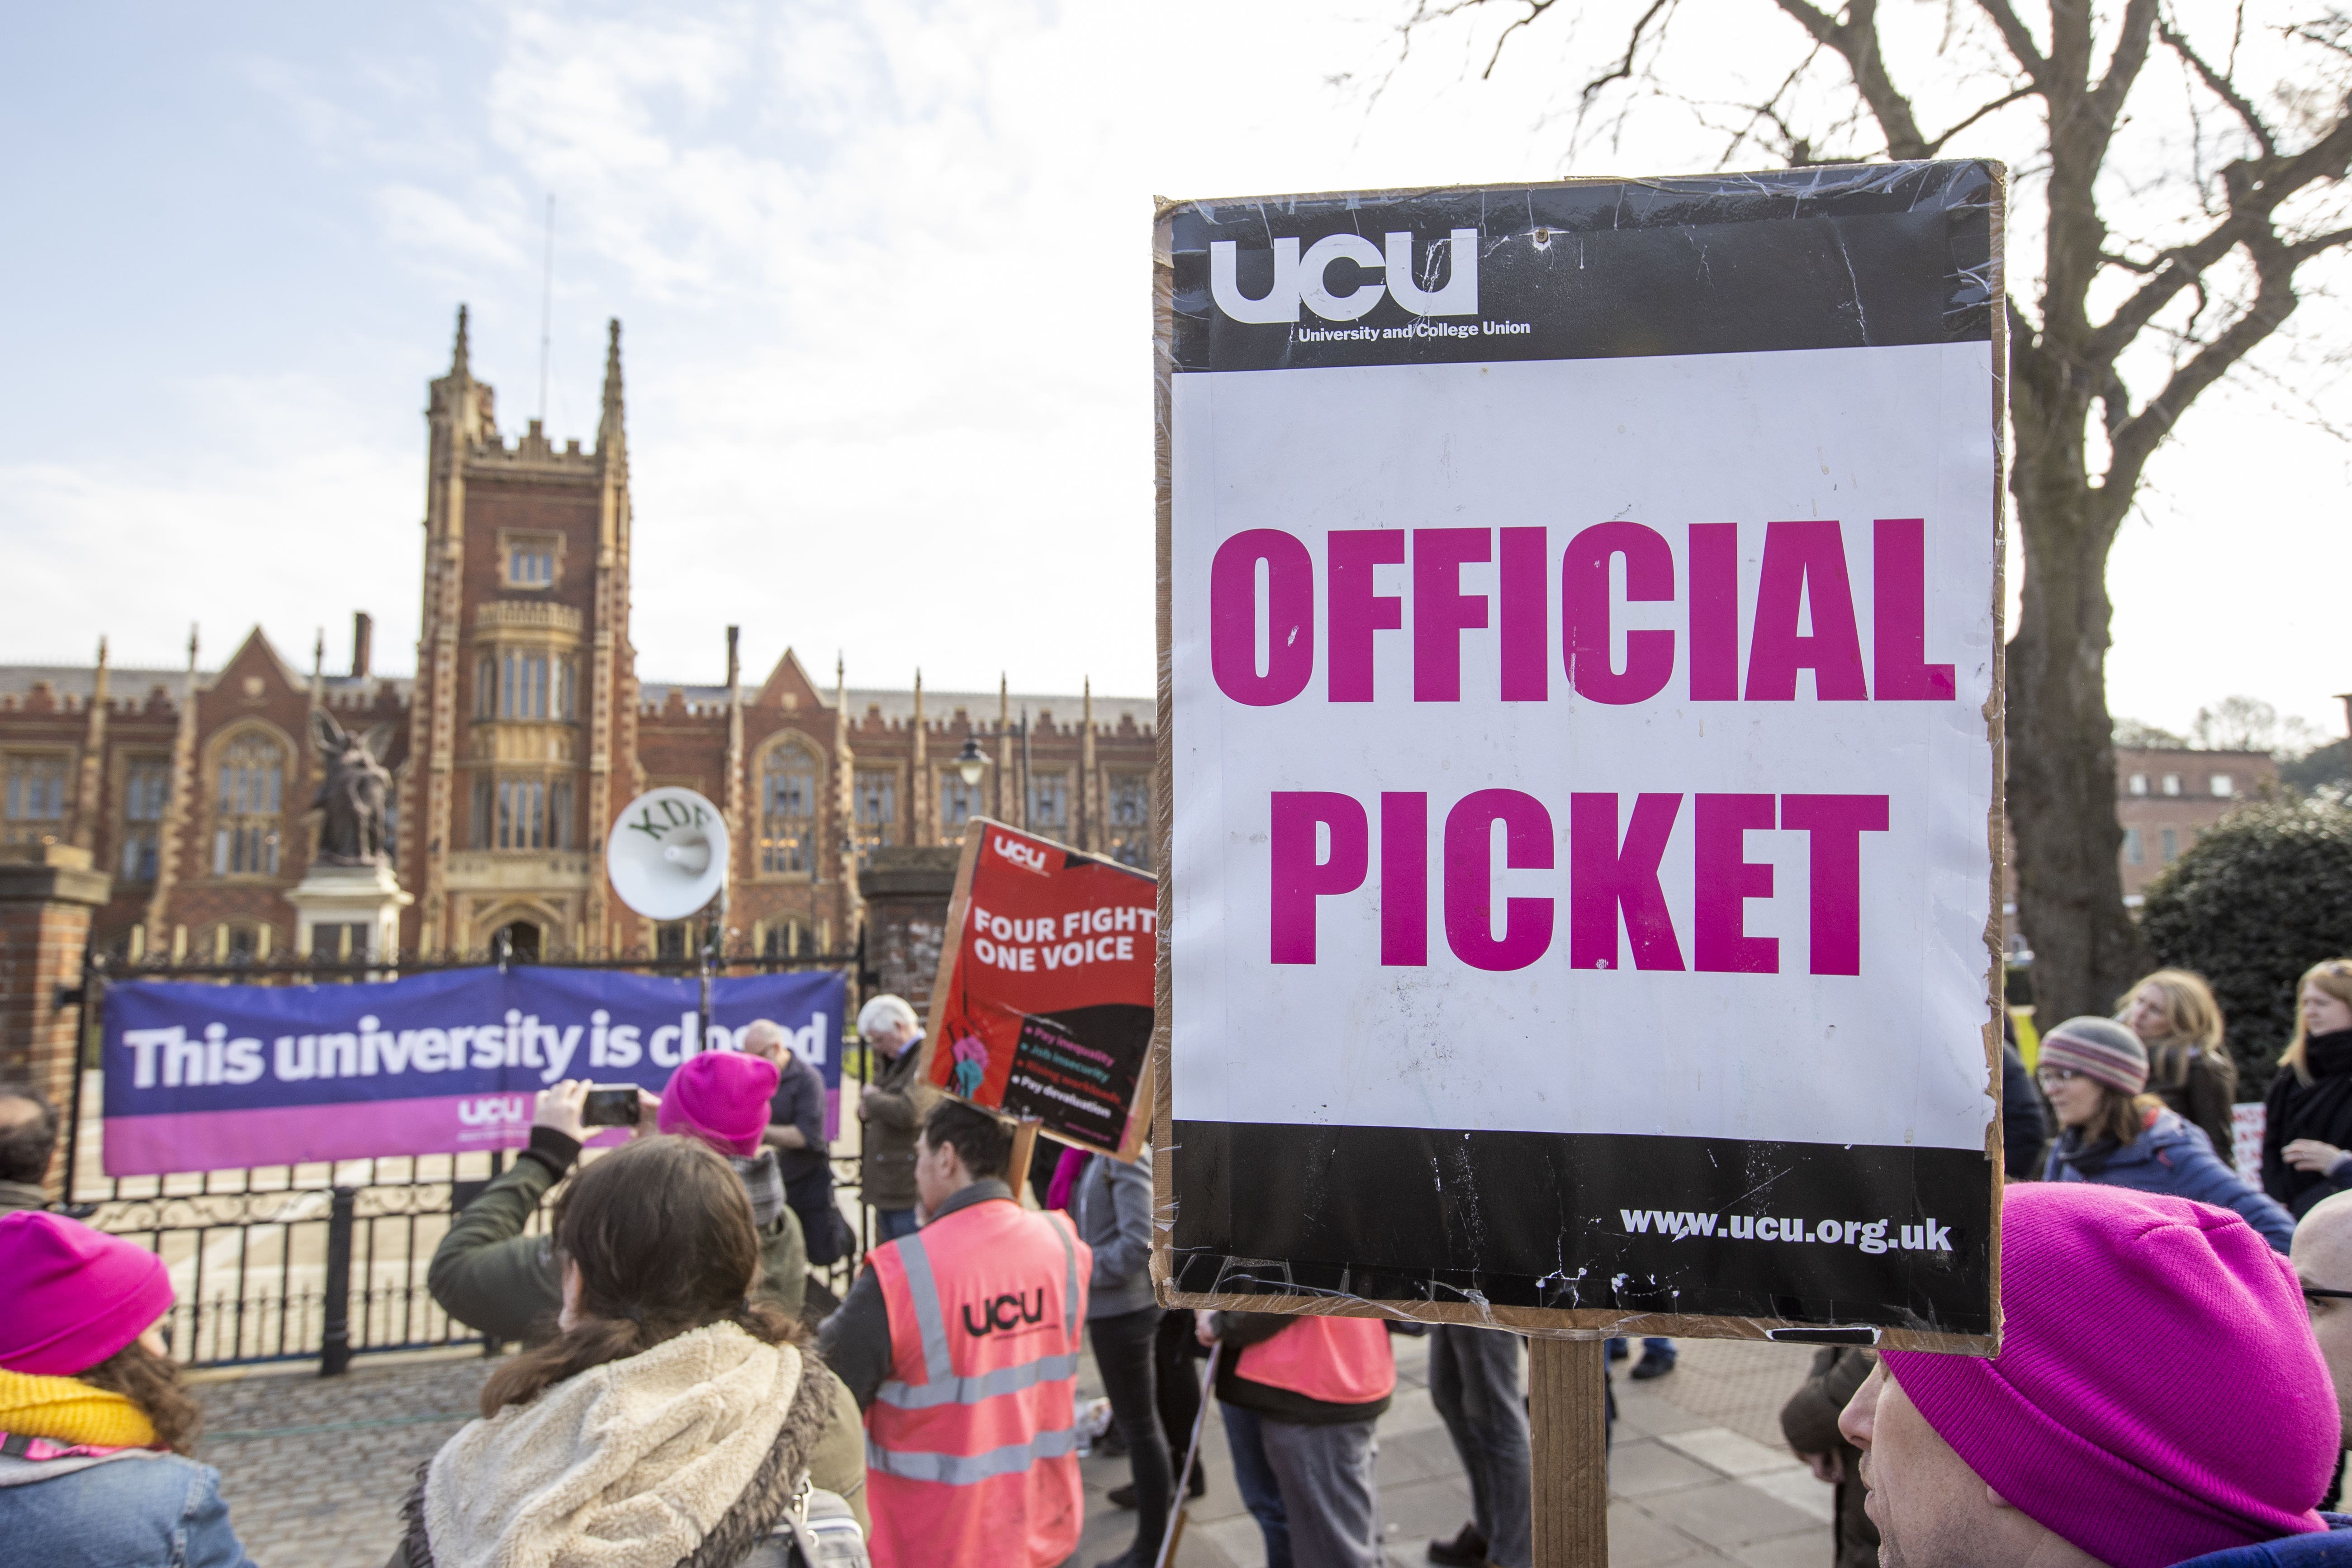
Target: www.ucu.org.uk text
x,y
1871,1236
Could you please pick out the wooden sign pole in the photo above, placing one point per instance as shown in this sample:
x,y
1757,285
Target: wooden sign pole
x,y
1024,1149
1567,1399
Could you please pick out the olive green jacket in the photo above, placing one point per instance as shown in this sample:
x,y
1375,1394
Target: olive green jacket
x,y
1810,1422
491,1277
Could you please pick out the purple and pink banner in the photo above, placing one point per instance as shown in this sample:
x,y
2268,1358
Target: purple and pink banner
x,y
202,1078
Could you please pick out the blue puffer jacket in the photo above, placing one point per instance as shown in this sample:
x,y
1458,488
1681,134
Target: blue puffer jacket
x,y
136,1510
2170,1156
2330,1549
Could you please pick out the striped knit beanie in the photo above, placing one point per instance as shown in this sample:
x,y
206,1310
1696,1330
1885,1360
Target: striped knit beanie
x,y
2100,1048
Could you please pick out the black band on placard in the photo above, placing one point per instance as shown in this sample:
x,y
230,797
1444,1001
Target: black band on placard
x,y
1856,256
1567,1221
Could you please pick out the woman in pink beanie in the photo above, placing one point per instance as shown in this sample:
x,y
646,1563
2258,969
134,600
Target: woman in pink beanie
x,y
93,1420
2157,1400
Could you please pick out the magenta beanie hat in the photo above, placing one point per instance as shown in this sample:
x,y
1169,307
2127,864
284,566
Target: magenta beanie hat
x,y
2158,1396
70,1296
721,1098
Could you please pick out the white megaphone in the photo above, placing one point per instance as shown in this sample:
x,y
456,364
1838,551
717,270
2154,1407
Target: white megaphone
x,y
667,854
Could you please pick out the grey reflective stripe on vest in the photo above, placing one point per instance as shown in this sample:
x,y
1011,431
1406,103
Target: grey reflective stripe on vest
x,y
970,1470
940,1385
925,1290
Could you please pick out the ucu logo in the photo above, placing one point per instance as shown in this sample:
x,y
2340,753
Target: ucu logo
x,y
1020,854
490,1113
1298,279
1007,1312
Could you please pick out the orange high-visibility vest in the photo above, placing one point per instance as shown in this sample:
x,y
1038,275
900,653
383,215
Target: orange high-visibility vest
x,y
972,1443
1340,1360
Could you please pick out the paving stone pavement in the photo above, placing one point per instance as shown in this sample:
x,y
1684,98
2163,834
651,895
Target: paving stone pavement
x,y
315,1468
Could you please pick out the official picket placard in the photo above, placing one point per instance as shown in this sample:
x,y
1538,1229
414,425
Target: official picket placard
x,y
1581,618
1043,1006
201,1078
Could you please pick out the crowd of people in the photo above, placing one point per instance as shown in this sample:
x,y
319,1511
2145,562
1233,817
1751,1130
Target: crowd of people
x,y
2174,1383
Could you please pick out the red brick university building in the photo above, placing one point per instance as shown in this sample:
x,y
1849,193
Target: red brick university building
x,y
523,733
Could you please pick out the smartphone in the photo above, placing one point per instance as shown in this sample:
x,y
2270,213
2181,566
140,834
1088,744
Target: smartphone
x,y
609,1105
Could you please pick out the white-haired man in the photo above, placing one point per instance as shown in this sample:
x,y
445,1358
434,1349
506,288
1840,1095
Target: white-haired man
x,y
892,1107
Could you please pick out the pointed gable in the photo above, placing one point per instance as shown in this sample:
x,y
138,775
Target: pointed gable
x,y
788,687
257,659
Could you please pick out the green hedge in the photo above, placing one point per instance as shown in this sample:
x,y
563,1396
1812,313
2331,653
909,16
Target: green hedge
x,y
2254,902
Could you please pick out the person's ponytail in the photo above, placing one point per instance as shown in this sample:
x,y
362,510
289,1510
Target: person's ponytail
x,y
569,1353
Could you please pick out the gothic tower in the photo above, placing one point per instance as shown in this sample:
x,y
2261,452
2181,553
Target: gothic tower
x,y
525,699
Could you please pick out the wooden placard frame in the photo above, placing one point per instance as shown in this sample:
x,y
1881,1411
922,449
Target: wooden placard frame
x,y
1139,1124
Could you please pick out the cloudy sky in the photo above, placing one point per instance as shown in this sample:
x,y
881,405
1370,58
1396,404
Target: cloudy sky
x,y
884,274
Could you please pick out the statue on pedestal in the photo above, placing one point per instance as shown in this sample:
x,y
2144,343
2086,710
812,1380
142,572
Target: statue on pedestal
x,y
353,793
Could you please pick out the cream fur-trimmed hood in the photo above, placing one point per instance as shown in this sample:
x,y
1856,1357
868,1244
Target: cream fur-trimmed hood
x,y
633,1464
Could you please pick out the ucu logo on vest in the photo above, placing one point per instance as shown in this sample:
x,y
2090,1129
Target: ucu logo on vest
x,y
1027,856
490,1113
1301,278
1010,1311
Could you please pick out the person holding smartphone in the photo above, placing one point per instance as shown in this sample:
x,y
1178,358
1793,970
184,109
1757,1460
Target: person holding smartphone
x,y
490,1276
487,1274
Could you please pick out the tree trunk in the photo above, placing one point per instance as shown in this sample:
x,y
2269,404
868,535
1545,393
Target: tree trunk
x,y
2066,839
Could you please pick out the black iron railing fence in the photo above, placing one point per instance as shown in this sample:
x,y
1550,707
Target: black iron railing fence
x,y
328,1260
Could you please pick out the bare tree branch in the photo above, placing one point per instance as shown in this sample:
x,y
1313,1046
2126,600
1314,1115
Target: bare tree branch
x,y
2304,249
2014,34
2219,87
1856,39
2256,189
2137,439
1537,8
2124,65
2027,90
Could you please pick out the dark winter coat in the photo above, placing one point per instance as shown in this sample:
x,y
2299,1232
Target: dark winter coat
x,y
1810,1422
2024,1123
2205,1098
2321,1108
2169,1156
2330,1548
893,1107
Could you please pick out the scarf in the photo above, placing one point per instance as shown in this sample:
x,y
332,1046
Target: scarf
x,y
2328,1056
1067,1171
764,1184
67,1410
633,1464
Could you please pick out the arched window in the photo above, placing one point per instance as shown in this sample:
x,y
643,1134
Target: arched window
x,y
247,806
32,797
788,784
876,800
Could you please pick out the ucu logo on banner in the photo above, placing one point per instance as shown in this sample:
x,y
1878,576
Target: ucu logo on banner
x,y
1300,278
1027,856
1007,1312
490,1113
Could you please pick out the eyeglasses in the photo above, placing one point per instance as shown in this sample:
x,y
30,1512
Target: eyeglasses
x,y
2049,1076
2320,1293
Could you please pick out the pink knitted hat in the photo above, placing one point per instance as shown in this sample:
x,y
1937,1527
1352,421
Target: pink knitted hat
x,y
70,1296
2158,1394
721,1098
